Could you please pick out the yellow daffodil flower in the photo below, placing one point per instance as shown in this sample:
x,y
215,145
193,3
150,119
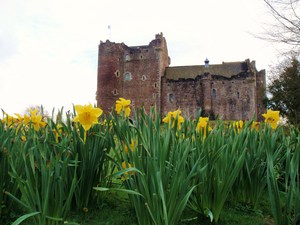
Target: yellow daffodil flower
x,y
87,115
239,125
36,120
57,132
271,117
172,117
8,120
202,125
255,125
124,166
131,146
123,105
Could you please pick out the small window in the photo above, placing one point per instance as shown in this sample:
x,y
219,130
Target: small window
x,y
155,85
117,73
238,94
144,78
214,93
171,98
115,91
127,76
127,57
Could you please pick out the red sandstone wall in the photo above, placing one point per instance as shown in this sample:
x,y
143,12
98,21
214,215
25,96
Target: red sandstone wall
x,y
131,72
109,85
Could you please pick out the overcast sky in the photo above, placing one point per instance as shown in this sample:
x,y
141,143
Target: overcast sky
x,y
49,48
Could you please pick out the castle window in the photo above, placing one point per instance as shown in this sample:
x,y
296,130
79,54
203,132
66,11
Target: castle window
x,y
117,73
171,98
127,57
127,76
214,93
238,94
144,78
115,92
155,85
141,56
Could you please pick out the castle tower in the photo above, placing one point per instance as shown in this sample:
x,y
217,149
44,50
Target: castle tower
x,y
131,72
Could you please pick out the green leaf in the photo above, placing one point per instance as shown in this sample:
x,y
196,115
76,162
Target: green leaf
x,y
209,214
118,189
24,217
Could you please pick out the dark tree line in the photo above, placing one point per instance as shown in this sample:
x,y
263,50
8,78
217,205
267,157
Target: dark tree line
x,y
285,90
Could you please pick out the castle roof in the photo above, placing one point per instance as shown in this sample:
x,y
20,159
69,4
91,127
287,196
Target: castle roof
x,y
226,69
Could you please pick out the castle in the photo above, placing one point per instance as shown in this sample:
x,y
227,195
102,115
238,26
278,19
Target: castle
x,y
232,90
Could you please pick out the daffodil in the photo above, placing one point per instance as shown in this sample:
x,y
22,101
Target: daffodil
x,y
239,125
126,166
36,120
202,125
87,115
9,120
123,105
255,125
57,132
131,146
22,121
272,118
172,117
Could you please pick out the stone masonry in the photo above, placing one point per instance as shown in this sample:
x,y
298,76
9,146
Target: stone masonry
x,y
231,90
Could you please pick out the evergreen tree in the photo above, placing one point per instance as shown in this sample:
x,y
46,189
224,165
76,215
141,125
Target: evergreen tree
x,y
285,90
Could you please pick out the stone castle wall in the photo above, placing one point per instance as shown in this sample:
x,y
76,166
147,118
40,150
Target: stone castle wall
x,y
142,74
232,99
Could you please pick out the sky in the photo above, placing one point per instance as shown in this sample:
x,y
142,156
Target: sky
x,y
49,48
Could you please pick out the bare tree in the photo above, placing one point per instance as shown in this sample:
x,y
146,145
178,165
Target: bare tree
x,y
286,28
